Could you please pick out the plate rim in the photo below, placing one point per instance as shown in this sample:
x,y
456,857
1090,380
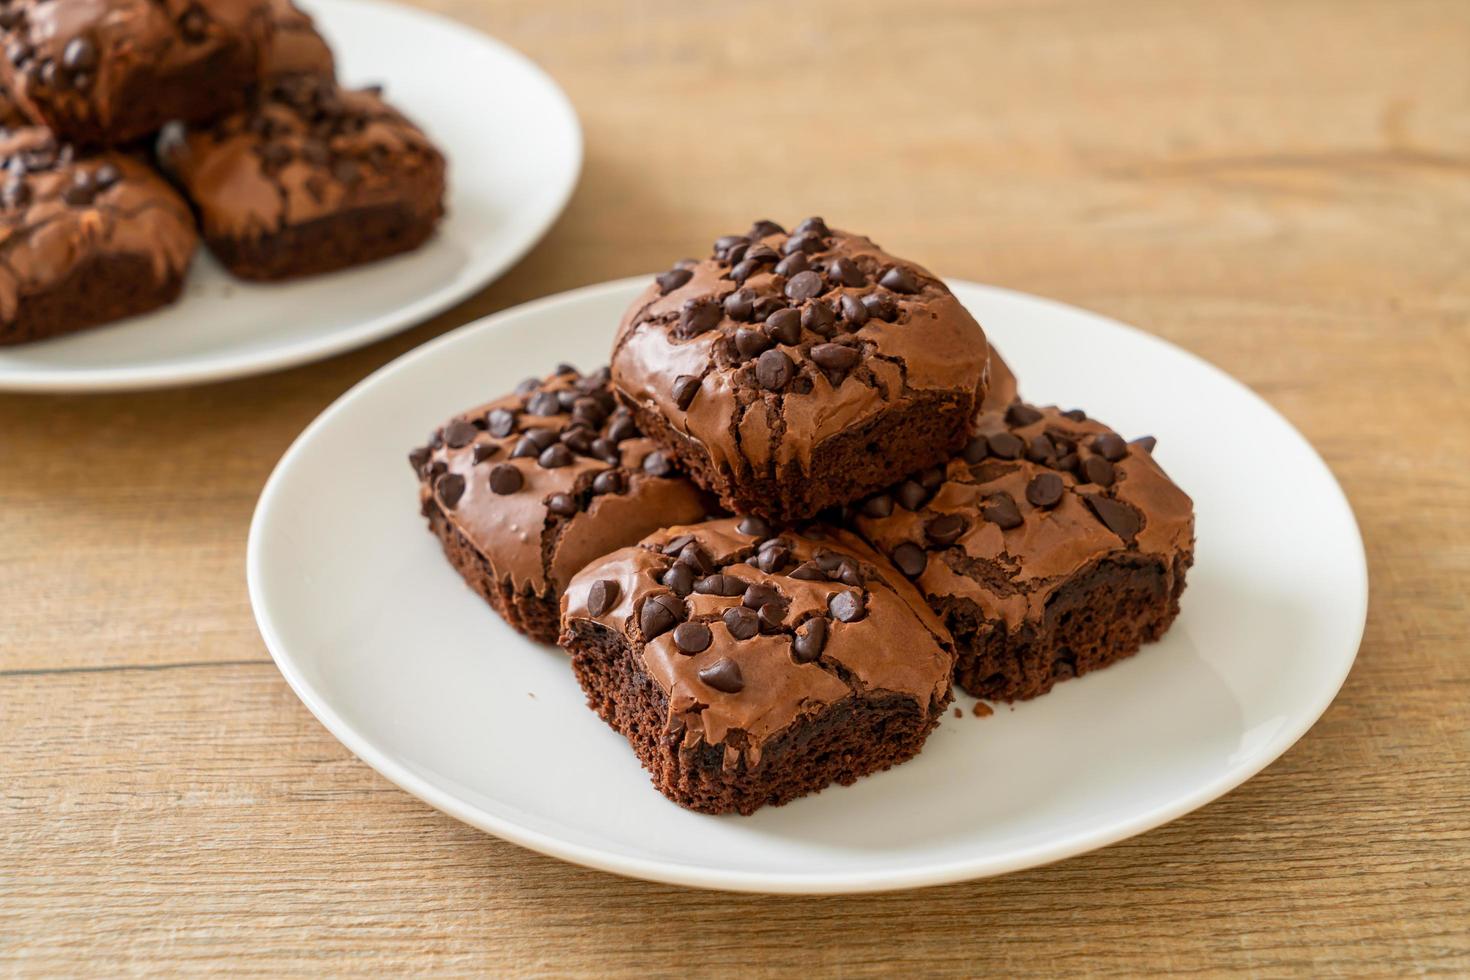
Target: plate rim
x,y
677,873
216,368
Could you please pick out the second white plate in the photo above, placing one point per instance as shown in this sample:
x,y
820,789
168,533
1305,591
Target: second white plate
x,y
404,664
514,149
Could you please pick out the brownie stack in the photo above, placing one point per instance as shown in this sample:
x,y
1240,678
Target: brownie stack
x,y
804,501
126,126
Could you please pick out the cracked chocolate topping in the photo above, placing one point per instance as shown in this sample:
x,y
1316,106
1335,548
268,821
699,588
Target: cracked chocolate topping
x,y
60,210
1036,496
308,149
779,341
79,59
747,629
551,477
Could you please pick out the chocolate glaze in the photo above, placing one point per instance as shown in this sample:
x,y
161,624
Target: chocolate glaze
x,y
307,150
1011,573
898,645
932,344
521,539
48,229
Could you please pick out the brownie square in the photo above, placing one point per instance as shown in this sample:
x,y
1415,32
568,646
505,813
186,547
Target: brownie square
x,y
525,490
310,179
793,372
1049,546
747,667
113,71
84,239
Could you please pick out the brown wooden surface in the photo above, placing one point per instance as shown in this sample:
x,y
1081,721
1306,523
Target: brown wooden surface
x,y
1282,187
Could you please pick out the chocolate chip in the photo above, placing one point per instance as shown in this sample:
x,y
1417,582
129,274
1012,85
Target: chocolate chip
x,y
880,306
724,676
555,457
1110,446
878,505
692,638
726,244
544,403
810,638
450,488
1005,445
720,584
852,310
1075,414
813,226
1146,443
774,370
459,433
764,228
697,316
819,319
784,327
527,386
659,614
603,596
1097,470
846,272
900,280
608,481
1041,450
792,264
759,595
672,280
804,286
1119,518
911,494
562,504
78,194
761,254
801,243
742,623
740,305
910,559
105,176
589,410
696,558
418,457
836,357
500,422
750,341
944,530
744,269
847,607
771,616
621,427
686,386
525,446
766,305
80,54
484,451
753,526
809,571
657,463
680,578
1069,461
976,449
1045,490
1001,509
1021,414
772,560
605,450
505,479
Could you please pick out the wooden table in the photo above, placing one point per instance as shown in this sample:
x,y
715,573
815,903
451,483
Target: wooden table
x,y
1282,187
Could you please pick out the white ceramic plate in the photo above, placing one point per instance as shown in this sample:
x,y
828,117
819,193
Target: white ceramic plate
x,y
404,664
514,149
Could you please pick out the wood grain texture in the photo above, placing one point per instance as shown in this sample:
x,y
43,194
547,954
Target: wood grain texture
x,y
1281,187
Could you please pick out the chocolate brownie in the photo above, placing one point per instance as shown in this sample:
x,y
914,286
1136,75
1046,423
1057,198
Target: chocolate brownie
x,y
524,491
747,668
311,179
791,372
112,71
1049,546
83,238
295,47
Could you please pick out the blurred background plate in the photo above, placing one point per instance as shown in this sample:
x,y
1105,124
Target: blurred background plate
x,y
513,162
414,673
